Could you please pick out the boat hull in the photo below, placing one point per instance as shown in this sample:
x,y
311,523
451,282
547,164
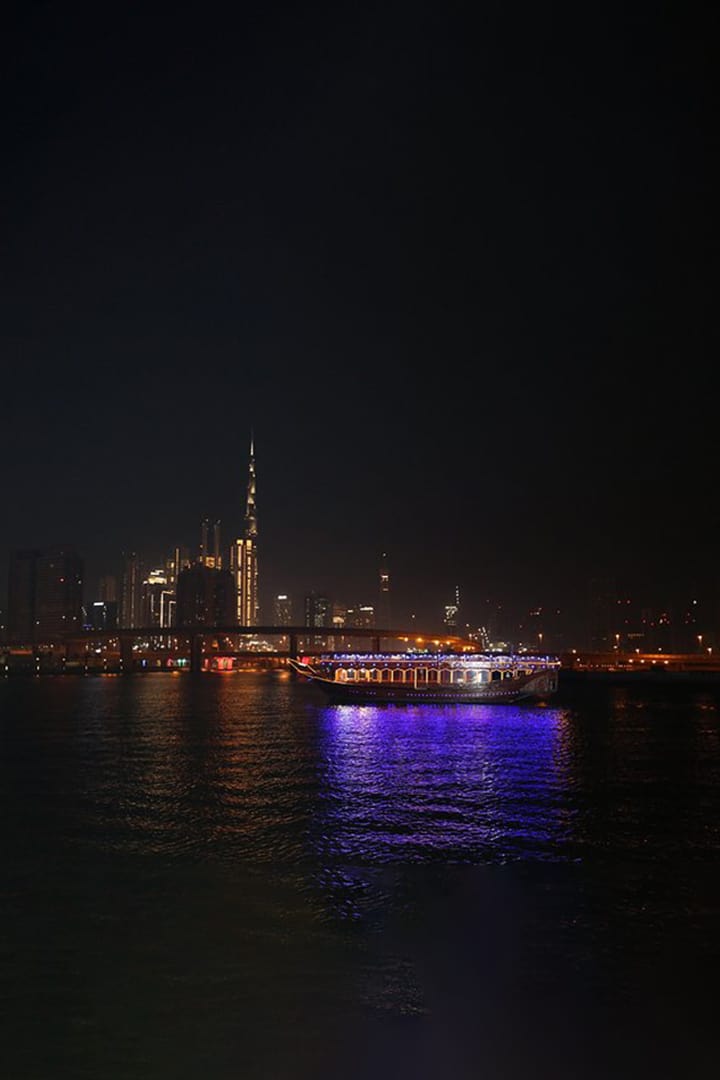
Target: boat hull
x,y
535,687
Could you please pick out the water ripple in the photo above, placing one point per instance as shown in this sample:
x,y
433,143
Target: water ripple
x,y
251,768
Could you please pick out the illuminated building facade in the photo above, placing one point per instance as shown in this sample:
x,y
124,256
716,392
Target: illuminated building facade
x,y
210,544
318,610
131,590
360,615
177,560
244,557
158,599
452,611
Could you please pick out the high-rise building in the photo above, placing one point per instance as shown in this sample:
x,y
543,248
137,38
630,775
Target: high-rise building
x,y
359,615
102,615
318,610
131,590
59,594
45,594
384,605
205,597
177,560
157,599
210,544
452,611
107,589
244,559
283,610
22,579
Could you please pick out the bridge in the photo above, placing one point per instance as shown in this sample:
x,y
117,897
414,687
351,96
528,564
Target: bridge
x,y
196,648
197,644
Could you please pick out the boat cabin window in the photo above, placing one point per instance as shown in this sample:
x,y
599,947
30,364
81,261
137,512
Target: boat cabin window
x,y
459,676
422,675
397,675
432,675
374,674
496,675
445,675
385,675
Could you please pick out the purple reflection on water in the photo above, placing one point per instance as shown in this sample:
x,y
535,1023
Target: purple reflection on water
x,y
466,784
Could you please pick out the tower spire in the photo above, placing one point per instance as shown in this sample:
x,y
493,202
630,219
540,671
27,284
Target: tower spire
x,y
243,555
251,509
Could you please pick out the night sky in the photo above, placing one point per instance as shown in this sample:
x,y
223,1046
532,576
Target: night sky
x,y
450,263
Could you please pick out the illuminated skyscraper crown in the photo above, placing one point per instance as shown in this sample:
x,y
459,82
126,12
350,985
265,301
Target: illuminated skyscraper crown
x,y
251,510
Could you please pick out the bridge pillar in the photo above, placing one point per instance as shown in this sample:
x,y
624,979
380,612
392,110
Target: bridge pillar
x,y
375,644
126,654
293,645
196,653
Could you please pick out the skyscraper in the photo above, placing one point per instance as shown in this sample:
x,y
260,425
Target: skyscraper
x,y
45,593
131,590
243,556
22,585
384,605
210,545
283,610
108,589
205,596
318,610
59,594
452,611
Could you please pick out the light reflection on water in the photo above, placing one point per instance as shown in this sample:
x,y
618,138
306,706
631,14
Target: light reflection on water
x,y
455,783
256,768
192,865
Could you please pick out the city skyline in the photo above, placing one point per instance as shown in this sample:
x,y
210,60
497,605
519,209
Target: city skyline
x,y
461,300
146,589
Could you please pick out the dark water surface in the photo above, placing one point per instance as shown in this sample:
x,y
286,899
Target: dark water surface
x,y
228,877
